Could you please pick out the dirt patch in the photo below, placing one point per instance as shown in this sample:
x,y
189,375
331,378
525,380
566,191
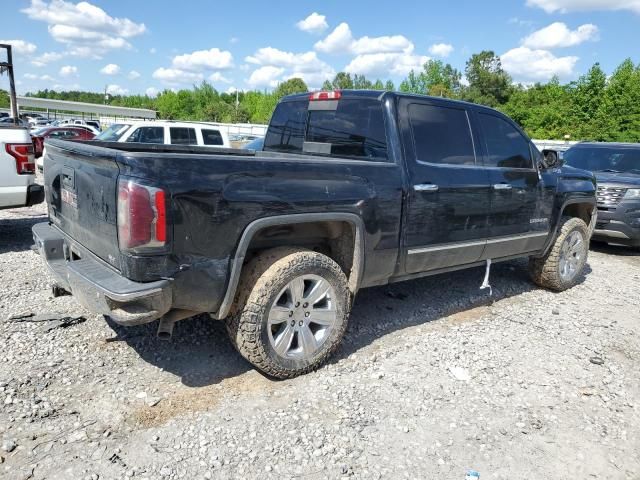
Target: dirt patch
x,y
466,316
187,401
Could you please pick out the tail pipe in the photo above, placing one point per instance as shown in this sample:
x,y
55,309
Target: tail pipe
x,y
165,328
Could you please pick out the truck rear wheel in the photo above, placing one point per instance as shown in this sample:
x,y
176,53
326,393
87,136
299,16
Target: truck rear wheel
x,y
291,311
563,264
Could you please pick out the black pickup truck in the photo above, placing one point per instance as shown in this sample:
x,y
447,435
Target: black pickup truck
x,y
353,189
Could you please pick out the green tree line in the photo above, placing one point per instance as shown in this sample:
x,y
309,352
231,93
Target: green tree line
x,y
594,107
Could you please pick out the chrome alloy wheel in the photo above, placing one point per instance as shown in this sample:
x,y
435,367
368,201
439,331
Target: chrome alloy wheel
x,y
302,317
572,252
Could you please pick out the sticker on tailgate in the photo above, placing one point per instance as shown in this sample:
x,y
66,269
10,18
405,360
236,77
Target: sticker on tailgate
x,y
69,197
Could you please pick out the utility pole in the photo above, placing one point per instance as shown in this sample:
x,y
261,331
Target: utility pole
x,y
8,67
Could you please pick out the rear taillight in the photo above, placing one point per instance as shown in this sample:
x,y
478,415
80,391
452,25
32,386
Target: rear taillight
x,y
24,156
142,217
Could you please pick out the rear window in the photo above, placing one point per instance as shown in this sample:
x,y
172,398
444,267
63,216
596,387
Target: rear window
x,y
211,137
354,129
183,136
286,128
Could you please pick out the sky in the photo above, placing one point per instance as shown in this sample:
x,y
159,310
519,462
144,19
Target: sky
x,y
128,46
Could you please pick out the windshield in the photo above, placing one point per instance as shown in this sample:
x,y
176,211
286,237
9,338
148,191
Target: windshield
x,y
604,159
255,144
113,133
40,131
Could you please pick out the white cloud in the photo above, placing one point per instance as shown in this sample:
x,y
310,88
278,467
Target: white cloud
x,y
30,76
67,87
46,58
441,49
267,76
338,41
192,67
152,91
234,40
47,78
116,90
399,64
564,6
110,69
21,47
68,71
133,75
559,35
314,23
304,65
218,77
152,51
85,28
198,61
174,76
341,41
527,65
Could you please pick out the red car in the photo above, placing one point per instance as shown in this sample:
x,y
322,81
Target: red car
x,y
62,133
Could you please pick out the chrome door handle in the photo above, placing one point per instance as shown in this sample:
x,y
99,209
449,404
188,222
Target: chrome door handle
x,y
426,187
502,186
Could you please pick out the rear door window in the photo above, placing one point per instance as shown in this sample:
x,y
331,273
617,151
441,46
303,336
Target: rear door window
x,y
441,135
211,137
506,146
183,136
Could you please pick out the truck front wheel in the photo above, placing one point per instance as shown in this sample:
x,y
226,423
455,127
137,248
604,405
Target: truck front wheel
x,y
291,311
560,268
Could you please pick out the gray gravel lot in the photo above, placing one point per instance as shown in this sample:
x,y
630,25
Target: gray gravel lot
x,y
434,378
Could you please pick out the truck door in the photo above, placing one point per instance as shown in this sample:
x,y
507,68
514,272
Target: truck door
x,y
519,218
448,198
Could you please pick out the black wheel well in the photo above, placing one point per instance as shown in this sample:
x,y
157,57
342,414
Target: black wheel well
x,y
334,238
579,210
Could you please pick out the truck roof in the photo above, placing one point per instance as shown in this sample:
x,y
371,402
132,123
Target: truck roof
x,y
379,94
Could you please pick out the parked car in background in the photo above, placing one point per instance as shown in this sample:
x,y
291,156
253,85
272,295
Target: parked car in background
x,y
352,189
255,144
617,170
3,114
10,121
17,169
63,133
166,132
40,122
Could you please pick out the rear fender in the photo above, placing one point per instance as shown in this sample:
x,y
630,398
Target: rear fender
x,y
259,224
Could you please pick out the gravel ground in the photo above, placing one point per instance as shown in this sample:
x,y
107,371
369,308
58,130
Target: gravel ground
x,y
434,378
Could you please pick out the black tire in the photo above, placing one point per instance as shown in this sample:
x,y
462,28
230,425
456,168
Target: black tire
x,y
545,271
262,280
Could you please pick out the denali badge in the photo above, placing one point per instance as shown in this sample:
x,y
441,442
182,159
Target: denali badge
x,y
539,220
69,197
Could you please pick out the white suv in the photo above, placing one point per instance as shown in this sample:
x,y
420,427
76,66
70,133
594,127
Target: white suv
x,y
166,132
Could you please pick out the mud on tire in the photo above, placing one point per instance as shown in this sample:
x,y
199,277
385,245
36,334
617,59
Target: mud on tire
x,y
261,285
546,271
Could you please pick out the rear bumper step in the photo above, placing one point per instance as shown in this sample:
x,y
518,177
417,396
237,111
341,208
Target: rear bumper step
x,y
98,287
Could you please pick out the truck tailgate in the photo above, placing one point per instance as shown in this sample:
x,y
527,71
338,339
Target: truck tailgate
x,y
81,184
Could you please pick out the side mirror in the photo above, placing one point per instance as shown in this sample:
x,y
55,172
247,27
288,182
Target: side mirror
x,y
551,159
